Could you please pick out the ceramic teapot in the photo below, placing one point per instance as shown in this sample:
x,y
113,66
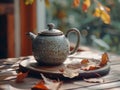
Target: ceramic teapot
x,y
51,46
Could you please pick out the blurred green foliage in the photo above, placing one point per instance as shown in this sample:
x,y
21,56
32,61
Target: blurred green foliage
x,y
94,32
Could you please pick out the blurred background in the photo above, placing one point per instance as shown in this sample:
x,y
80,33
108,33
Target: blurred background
x,y
17,18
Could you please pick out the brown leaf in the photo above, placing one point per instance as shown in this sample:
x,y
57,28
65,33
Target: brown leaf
x,y
89,67
85,61
94,80
21,76
93,67
104,59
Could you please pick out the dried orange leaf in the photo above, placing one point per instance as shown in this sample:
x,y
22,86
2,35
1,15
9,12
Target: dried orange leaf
x,y
104,59
76,3
21,76
89,67
40,86
85,61
93,67
94,80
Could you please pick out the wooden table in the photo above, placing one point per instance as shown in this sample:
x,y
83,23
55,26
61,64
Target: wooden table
x,y
111,80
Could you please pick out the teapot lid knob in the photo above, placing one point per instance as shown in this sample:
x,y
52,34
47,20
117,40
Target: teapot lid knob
x,y
51,31
51,26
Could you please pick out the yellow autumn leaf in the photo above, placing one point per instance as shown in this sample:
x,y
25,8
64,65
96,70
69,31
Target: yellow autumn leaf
x,y
105,17
87,3
97,12
102,13
28,2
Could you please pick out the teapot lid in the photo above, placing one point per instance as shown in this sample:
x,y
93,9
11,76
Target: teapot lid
x,y
51,31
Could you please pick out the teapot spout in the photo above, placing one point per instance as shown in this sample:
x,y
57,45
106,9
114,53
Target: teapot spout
x,y
31,35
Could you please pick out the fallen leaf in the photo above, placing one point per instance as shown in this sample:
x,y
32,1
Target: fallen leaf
x,y
40,86
95,80
104,59
72,70
69,72
89,67
21,76
93,67
84,61
51,84
47,84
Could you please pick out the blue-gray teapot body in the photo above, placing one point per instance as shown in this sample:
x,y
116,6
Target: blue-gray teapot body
x,y
51,46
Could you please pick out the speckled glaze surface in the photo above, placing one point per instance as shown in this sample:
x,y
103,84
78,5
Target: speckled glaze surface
x,y
50,50
51,47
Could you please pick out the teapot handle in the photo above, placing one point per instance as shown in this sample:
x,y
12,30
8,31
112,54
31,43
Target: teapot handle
x,y
78,39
